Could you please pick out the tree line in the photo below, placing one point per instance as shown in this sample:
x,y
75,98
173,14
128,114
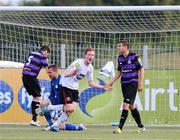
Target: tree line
x,y
99,2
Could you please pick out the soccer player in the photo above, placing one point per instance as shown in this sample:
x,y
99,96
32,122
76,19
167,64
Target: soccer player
x,y
70,85
131,71
54,99
31,69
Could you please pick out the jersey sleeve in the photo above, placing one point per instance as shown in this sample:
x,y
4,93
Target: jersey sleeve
x,y
138,63
76,64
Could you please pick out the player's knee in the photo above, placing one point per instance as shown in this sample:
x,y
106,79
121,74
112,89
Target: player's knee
x,y
73,110
125,106
132,107
69,108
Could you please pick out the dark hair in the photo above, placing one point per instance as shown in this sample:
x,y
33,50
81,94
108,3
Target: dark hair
x,y
52,66
89,50
45,48
124,43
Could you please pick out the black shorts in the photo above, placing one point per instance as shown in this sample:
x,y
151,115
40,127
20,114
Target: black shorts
x,y
31,85
69,95
129,91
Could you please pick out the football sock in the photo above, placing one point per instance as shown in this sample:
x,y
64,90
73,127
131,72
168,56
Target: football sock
x,y
34,106
48,118
72,127
64,117
123,118
55,114
137,118
56,107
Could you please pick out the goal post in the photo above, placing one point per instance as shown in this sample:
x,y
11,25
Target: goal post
x,y
153,33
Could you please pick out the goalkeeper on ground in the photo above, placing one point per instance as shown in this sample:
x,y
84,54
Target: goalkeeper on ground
x,y
54,99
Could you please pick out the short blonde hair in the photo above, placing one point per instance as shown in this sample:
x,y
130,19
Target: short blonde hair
x,y
89,50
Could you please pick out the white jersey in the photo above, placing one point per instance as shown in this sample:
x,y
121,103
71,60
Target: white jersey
x,y
83,70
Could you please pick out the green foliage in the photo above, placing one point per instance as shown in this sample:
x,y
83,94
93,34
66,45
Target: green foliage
x,y
29,3
48,2
101,2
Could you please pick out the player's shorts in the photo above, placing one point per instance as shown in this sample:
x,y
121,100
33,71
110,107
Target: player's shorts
x,y
31,85
129,91
69,95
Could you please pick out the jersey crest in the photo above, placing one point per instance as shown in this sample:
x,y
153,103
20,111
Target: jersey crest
x,y
77,65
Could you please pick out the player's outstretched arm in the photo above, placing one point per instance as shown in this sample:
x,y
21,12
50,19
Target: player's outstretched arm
x,y
107,87
117,75
96,85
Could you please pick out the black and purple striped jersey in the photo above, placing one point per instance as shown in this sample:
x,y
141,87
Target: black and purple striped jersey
x,y
129,67
34,63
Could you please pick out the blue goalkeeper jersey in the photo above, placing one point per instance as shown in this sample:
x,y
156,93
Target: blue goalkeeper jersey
x,y
55,91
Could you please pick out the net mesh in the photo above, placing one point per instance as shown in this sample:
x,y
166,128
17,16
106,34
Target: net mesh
x,y
153,35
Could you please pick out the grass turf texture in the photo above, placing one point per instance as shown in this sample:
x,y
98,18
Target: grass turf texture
x,y
26,132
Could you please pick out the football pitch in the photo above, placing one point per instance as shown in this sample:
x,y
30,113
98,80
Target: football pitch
x,y
26,132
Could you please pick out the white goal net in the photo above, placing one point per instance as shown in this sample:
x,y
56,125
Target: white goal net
x,y
153,33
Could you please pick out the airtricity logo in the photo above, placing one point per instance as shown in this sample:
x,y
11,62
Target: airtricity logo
x,y
25,100
6,96
88,94
152,95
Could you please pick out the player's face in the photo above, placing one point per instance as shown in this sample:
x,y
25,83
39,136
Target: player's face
x,y
89,57
52,74
121,48
45,53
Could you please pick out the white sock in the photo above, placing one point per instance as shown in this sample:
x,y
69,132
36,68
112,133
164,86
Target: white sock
x,y
56,107
63,118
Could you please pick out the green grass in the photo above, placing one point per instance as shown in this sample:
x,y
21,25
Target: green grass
x,y
26,132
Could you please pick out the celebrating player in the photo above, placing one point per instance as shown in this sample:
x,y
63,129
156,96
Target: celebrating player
x,y
70,84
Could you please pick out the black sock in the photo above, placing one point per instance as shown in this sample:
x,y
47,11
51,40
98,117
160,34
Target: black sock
x,y
34,106
123,118
137,118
